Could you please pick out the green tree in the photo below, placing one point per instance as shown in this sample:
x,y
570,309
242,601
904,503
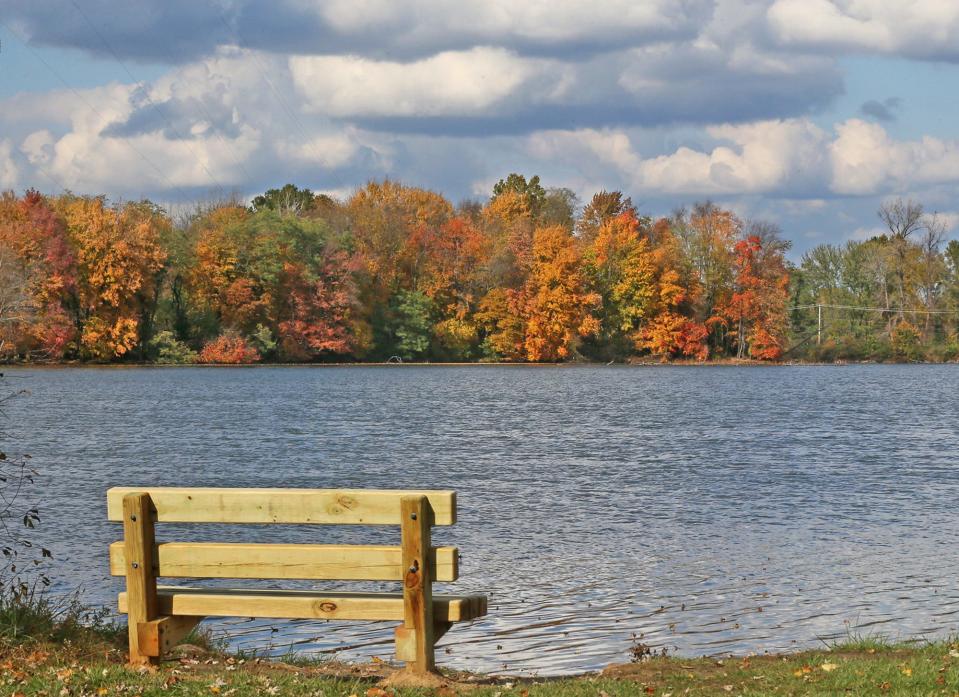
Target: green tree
x,y
559,208
289,200
532,191
414,322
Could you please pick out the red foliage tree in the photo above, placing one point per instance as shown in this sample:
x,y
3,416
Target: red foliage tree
x,y
229,349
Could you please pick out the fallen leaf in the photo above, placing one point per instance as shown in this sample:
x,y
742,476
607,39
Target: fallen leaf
x,y
829,667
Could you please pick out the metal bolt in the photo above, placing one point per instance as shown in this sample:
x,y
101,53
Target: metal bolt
x,y
133,518
413,516
135,565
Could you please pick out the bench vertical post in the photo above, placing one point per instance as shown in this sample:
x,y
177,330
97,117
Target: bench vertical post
x,y
416,520
138,542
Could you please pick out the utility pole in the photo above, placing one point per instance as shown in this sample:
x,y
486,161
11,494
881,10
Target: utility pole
x,y
819,330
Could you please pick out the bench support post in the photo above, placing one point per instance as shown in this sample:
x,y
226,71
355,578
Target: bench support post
x,y
156,637
138,542
416,519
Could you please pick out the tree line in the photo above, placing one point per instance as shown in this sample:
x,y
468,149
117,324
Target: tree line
x,y
396,271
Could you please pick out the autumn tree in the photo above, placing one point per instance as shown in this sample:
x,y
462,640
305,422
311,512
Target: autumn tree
x,y
756,310
451,259
531,192
903,219
40,274
118,257
667,328
560,304
706,237
17,304
618,264
501,321
603,207
278,282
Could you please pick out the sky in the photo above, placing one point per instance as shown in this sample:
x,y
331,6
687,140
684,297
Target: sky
x,y
805,113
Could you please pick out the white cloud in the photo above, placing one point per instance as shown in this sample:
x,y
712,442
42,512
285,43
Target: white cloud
x,y
38,147
865,160
861,234
918,28
8,168
769,155
792,157
434,22
949,219
325,150
453,82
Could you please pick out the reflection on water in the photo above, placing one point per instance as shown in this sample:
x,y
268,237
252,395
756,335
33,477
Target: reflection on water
x,y
707,510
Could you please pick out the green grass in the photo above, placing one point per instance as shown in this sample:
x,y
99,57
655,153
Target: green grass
x,y
34,616
62,648
862,667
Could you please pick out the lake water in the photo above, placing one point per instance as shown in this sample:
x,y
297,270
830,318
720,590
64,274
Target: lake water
x,y
707,510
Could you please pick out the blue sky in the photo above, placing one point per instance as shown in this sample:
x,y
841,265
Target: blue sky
x,y
806,113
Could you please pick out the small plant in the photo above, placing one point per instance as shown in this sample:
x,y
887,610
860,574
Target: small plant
x,y
20,568
27,611
641,651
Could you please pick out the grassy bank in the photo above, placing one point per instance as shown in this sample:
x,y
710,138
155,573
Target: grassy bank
x,y
95,667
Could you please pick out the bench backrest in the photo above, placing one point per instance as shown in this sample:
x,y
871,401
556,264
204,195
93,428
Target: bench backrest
x,y
285,506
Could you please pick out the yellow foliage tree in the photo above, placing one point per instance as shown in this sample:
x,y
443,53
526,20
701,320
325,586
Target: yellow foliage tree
x,y
560,305
118,255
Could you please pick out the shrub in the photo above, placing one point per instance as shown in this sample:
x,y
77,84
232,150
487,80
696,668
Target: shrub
x,y
906,344
263,341
170,350
229,349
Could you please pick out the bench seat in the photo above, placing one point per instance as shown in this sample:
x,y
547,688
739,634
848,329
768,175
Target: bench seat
x,y
299,604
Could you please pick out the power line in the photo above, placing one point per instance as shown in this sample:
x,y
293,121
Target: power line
x,y
291,113
146,94
92,108
40,168
876,309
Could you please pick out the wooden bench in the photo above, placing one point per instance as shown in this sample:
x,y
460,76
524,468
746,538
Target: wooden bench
x,y
159,616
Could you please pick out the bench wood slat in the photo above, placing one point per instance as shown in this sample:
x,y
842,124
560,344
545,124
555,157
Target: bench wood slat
x,y
285,561
289,604
288,506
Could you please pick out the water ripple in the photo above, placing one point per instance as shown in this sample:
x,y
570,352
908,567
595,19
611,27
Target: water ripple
x,y
707,511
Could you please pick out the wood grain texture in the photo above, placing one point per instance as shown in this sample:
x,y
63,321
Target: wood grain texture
x,y
289,506
158,636
289,604
286,561
418,583
138,544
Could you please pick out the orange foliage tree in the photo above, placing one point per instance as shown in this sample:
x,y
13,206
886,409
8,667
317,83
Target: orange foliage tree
x,y
118,257
229,349
560,304
670,331
34,239
393,270
756,310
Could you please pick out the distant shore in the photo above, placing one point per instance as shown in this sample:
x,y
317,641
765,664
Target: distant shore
x,y
635,363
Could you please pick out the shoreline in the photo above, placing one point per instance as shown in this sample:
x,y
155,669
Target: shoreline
x,y
860,666
719,363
